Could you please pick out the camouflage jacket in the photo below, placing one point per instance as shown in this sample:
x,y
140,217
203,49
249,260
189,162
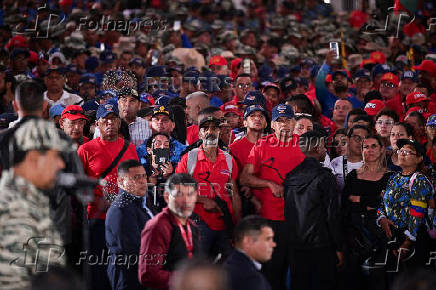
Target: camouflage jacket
x,y
29,242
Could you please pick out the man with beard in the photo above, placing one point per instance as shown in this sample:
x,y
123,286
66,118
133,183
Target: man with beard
x,y
340,80
268,163
219,204
170,236
98,156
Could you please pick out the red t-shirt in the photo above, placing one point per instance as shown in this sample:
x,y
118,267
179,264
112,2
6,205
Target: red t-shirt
x,y
96,156
210,174
240,150
192,134
272,161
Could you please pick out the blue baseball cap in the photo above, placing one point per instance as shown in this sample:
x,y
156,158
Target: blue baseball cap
x,y
107,56
157,71
254,98
19,50
431,120
362,73
408,74
380,69
137,61
107,92
162,100
254,108
87,78
55,68
340,72
282,110
106,109
55,110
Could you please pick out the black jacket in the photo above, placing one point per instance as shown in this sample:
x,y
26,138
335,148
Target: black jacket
x,y
312,211
243,274
125,220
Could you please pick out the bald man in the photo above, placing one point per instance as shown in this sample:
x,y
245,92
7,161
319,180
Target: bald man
x,y
196,102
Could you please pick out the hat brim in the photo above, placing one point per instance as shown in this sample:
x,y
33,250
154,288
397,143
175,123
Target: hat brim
x,y
418,147
73,117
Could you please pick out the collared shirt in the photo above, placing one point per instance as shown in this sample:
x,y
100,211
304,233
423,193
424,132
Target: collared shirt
x,y
139,131
66,99
27,230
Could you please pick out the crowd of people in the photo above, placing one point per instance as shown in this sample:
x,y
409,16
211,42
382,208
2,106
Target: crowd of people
x,y
217,145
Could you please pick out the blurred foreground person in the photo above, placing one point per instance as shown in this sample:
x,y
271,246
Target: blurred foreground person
x,y
30,242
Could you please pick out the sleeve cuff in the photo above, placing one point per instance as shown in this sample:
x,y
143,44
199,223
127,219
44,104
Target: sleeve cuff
x,y
377,222
409,235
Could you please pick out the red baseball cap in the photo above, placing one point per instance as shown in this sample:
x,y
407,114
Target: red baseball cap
x,y
415,97
328,78
367,61
414,109
373,107
17,41
232,109
217,60
390,77
73,112
378,57
428,66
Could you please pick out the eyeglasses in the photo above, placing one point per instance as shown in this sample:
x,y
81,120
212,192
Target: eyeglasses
x,y
388,85
387,122
357,138
405,152
244,86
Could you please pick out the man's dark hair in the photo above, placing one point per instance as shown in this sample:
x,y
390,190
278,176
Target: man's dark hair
x,y
180,179
310,140
419,116
208,111
243,75
357,111
409,129
372,95
249,225
420,279
126,165
302,102
364,118
388,112
354,128
30,96
151,139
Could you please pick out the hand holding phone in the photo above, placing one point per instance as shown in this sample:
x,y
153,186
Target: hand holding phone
x,y
335,47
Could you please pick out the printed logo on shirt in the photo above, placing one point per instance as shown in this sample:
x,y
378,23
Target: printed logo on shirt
x,y
225,172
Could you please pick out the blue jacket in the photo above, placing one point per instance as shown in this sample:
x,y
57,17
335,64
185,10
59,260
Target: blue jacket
x,y
176,149
243,273
125,221
327,99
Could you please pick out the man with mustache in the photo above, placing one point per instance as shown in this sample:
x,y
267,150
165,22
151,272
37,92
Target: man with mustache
x,y
97,157
219,204
170,236
270,159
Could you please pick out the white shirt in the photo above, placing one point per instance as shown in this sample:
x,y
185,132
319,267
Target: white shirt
x,y
337,167
139,131
66,99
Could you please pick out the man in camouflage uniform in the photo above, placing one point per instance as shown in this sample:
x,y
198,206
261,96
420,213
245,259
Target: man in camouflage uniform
x,y
29,241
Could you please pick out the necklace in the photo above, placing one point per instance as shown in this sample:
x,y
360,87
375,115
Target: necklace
x,y
407,172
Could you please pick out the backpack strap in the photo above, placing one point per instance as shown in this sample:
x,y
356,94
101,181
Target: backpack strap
x,y
192,160
229,162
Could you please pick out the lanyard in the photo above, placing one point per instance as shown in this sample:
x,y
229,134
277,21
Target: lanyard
x,y
187,238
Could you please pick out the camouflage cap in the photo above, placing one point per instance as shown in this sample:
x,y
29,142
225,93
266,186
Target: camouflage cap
x,y
245,50
39,134
217,24
193,25
227,36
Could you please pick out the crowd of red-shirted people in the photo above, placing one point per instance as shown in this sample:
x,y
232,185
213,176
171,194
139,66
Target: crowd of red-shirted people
x,y
242,144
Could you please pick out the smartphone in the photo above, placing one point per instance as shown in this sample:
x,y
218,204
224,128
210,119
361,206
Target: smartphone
x,y
154,57
177,25
335,46
102,48
246,65
161,155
